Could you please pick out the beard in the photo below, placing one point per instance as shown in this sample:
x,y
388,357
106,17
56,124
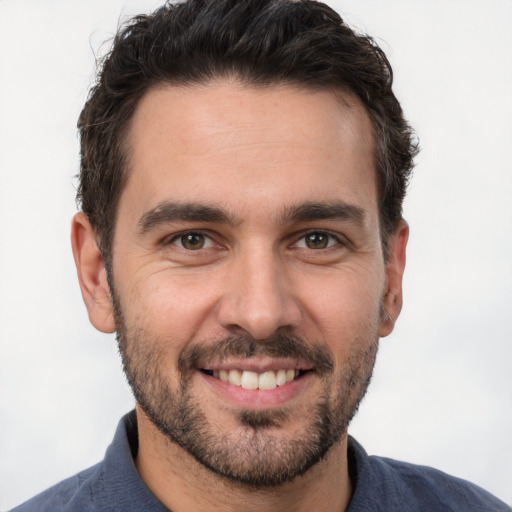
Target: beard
x,y
266,448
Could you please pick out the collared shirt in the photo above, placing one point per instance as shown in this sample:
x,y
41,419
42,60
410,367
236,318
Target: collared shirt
x,y
380,484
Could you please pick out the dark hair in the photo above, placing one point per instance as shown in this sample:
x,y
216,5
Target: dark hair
x,y
261,42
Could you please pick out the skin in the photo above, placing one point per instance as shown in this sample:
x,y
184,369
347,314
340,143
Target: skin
x,y
256,154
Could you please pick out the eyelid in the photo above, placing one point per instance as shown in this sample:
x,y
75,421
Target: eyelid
x,y
171,239
339,239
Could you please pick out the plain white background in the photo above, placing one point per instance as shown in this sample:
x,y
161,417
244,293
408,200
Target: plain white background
x,y
442,391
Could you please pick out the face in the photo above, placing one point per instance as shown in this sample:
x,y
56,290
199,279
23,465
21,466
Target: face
x,y
248,278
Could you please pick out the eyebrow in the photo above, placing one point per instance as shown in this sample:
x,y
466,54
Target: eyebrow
x,y
168,212
338,210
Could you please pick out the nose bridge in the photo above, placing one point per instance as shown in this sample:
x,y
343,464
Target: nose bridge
x,y
258,297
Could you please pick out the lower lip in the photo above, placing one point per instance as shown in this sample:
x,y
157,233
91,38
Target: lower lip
x,y
257,399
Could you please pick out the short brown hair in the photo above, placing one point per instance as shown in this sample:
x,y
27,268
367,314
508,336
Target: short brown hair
x,y
262,42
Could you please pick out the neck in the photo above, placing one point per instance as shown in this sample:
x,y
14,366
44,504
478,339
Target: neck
x,y
182,484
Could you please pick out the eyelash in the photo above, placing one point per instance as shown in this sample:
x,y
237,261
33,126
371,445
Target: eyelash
x,y
330,239
179,236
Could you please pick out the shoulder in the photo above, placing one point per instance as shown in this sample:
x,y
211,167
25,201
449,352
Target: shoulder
x,y
431,489
387,484
113,485
76,493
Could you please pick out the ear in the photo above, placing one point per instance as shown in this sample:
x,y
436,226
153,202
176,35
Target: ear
x,y
392,301
92,275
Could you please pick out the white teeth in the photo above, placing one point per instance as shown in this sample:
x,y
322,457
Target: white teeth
x,y
235,378
281,377
249,380
253,380
267,380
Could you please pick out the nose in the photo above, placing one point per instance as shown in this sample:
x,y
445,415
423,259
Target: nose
x,y
258,296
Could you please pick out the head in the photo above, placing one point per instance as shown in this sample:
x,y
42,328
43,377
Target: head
x,y
262,43
243,169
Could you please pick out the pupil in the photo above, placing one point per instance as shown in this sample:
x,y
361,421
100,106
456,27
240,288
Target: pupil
x,y
317,241
193,241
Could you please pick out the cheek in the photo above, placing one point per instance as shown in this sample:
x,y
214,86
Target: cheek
x,y
344,313
169,306
344,299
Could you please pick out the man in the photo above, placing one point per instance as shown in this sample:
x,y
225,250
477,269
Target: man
x,y
243,169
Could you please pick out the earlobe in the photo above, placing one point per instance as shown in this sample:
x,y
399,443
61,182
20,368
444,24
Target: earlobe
x,y
92,275
392,300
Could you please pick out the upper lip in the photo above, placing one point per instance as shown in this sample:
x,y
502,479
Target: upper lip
x,y
258,364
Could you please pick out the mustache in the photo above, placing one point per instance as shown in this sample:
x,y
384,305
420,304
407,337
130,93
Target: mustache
x,y
195,356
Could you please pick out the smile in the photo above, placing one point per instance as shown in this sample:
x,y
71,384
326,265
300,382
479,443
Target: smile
x,y
253,380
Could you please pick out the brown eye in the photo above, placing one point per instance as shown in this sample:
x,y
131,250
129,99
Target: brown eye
x,y
317,240
192,241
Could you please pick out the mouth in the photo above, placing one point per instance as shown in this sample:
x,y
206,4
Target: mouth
x,y
264,381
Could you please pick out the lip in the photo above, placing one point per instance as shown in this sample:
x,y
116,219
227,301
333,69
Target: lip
x,y
259,365
256,399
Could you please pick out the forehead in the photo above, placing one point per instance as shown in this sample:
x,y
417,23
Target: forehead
x,y
234,145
